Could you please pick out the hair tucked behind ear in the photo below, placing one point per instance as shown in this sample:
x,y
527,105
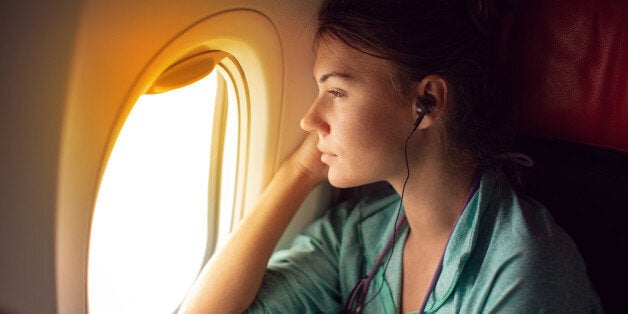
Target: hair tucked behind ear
x,y
455,39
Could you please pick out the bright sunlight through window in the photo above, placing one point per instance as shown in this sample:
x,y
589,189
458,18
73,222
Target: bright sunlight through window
x,y
150,230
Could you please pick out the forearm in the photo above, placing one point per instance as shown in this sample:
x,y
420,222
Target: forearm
x,y
232,277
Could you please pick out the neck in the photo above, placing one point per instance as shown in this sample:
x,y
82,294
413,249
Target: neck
x,y
434,197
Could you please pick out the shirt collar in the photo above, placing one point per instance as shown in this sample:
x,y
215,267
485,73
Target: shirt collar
x,y
375,232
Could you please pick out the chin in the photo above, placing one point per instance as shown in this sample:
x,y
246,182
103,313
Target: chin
x,y
340,184
338,181
343,182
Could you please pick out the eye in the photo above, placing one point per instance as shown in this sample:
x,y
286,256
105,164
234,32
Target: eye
x,y
335,93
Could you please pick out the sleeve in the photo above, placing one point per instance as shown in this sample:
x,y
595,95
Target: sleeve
x,y
305,277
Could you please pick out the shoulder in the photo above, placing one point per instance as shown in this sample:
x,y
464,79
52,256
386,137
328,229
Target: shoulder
x,y
531,258
518,224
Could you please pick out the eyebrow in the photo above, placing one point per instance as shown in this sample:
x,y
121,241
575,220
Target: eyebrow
x,y
326,76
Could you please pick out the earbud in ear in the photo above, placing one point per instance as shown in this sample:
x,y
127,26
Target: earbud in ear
x,y
421,112
426,102
422,107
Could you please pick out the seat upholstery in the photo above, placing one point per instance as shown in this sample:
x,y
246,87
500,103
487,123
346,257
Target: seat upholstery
x,y
571,60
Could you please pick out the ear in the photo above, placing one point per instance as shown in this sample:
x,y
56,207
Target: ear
x,y
432,94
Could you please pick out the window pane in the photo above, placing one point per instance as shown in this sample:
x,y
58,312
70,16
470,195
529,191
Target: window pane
x,y
149,229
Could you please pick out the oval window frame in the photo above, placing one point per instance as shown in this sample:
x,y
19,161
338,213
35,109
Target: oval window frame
x,y
252,39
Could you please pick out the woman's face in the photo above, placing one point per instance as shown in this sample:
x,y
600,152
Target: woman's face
x,y
362,125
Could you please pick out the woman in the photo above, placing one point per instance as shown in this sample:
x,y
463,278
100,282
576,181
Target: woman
x,y
409,94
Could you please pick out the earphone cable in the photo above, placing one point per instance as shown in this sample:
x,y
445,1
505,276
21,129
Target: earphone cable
x,y
403,191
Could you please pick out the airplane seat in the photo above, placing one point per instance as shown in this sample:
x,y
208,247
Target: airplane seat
x,y
569,63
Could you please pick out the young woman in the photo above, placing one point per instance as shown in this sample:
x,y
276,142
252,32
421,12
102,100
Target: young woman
x,y
409,93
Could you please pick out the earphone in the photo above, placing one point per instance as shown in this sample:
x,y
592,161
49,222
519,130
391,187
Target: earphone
x,y
421,111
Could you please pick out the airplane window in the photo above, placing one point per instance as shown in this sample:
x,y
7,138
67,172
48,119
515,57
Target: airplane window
x,y
155,219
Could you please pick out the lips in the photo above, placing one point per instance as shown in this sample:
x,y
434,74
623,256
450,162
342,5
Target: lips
x,y
326,156
325,151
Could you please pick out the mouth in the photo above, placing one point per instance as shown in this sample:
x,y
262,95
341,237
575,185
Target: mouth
x,y
325,155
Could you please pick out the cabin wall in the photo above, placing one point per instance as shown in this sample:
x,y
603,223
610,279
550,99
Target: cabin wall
x,y
37,42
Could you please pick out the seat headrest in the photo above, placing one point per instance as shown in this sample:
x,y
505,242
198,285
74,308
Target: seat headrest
x,y
570,59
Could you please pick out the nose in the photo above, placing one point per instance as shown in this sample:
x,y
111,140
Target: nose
x,y
314,121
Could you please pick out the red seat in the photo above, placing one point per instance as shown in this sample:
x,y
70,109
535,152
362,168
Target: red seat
x,y
572,62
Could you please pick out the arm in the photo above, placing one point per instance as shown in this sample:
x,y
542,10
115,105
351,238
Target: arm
x,y
232,277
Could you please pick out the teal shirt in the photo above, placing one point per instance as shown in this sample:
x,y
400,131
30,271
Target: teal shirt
x,y
505,255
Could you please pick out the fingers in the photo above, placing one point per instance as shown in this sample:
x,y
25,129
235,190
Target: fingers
x,y
308,158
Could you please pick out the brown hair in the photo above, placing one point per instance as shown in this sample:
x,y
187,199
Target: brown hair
x,y
452,38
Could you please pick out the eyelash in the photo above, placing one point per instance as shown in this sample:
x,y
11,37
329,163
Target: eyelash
x,y
335,93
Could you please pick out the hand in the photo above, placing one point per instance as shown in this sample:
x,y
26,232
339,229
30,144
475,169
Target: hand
x,y
307,159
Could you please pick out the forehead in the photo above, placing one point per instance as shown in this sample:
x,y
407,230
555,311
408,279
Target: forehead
x,y
333,56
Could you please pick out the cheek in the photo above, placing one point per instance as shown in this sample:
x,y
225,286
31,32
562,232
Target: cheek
x,y
373,136
358,129
371,145
382,126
